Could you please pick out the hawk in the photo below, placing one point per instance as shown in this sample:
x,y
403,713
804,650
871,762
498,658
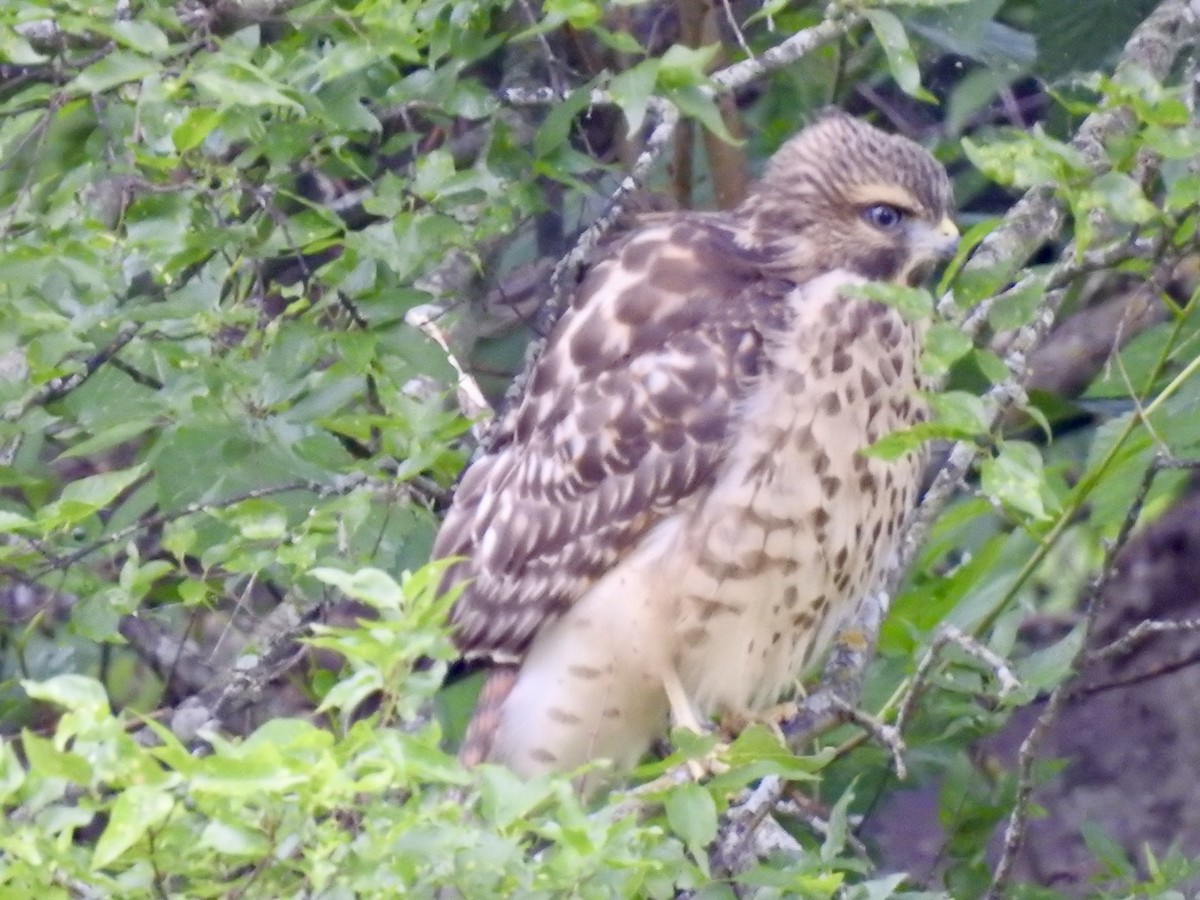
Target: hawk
x,y
677,515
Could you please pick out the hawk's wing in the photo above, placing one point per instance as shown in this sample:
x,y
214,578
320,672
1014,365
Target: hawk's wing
x,y
626,415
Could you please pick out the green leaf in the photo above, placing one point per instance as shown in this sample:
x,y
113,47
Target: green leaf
x,y
242,773
962,413
945,344
632,90
758,752
11,521
684,66
839,827
47,761
342,107
1015,477
913,304
883,888
196,126
556,127
138,809
990,365
692,815
1183,193
116,68
1045,668
968,28
1120,196
349,693
978,282
97,617
902,62
137,578
618,41
580,14
232,82
233,840
701,105
16,50
140,35
682,74
895,444
1017,307
372,586
1173,143
12,772
87,496
1069,41
1107,850
507,798
1027,159
259,520
77,693
110,437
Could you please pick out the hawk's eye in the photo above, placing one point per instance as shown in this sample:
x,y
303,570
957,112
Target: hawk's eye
x,y
884,216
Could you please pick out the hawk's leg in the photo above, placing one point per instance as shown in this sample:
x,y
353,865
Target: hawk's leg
x,y
683,715
481,730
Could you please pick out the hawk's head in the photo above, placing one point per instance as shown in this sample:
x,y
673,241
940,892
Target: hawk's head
x,y
843,194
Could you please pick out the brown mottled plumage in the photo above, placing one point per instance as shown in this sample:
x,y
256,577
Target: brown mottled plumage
x,y
676,516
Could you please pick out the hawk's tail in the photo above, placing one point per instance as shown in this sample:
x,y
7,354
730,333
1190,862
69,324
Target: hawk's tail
x,y
481,731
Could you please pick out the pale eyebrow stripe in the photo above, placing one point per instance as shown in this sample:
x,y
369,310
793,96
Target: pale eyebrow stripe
x,y
880,192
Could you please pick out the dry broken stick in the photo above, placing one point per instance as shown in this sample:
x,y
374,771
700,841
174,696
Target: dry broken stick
x,y
471,401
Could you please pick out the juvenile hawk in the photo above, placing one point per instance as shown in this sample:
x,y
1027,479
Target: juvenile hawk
x,y
676,517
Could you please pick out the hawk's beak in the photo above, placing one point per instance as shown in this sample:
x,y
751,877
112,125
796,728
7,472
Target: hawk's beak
x,y
938,242
947,233
929,245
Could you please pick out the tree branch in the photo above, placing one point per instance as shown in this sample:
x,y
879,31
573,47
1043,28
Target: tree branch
x,y
57,388
1014,832
1037,218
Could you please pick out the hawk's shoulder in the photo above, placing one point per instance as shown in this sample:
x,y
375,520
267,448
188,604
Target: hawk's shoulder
x,y
626,416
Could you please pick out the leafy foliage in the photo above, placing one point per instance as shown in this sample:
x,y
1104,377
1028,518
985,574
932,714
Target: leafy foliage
x,y
221,428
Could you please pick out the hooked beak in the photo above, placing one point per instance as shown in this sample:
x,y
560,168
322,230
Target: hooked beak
x,y
930,245
941,241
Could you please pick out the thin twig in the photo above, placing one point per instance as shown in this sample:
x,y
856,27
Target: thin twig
x,y
1014,832
1139,634
948,634
887,736
793,49
215,706
731,78
343,486
471,401
727,7
57,388
1158,671
563,277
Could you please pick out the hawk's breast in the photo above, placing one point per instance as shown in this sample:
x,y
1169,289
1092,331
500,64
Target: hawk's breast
x,y
799,522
